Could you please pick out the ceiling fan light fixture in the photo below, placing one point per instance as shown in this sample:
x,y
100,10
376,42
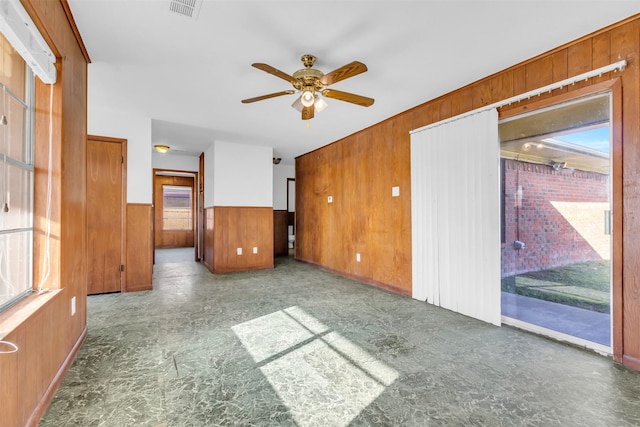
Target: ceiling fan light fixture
x,y
161,148
307,99
320,104
297,104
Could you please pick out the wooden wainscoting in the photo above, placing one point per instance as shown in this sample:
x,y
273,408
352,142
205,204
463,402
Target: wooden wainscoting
x,y
230,228
46,349
280,233
138,267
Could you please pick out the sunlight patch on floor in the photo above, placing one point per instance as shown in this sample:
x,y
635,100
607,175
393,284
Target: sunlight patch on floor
x,y
323,378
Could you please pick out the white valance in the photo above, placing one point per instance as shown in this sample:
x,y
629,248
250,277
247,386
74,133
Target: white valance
x,y
19,29
616,66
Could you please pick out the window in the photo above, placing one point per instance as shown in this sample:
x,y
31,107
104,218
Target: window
x,y
16,176
176,213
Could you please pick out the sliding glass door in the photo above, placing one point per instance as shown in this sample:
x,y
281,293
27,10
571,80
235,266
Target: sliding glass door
x,y
556,220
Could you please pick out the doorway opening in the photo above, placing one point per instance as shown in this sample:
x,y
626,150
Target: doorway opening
x,y
556,221
176,213
291,215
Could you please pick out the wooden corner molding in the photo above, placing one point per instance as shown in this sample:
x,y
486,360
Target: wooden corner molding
x,y
74,28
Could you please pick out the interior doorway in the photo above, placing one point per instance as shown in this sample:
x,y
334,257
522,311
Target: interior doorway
x,y
291,214
175,210
556,204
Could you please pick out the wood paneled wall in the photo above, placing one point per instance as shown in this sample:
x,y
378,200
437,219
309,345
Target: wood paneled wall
x,y
138,267
230,228
359,171
280,233
42,326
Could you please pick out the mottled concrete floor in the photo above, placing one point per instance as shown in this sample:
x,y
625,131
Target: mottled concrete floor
x,y
296,346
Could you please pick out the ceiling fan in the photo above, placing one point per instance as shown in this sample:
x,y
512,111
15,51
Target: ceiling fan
x,y
310,83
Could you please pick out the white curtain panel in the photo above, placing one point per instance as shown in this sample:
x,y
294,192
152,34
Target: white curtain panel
x,y
455,215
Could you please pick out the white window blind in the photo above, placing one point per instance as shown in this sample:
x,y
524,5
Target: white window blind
x,y
456,217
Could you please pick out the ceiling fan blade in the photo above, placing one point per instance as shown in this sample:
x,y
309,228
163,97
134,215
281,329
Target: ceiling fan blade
x,y
271,95
307,112
348,97
269,69
344,72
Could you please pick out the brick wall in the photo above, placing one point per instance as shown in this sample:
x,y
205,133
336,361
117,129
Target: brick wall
x,y
561,218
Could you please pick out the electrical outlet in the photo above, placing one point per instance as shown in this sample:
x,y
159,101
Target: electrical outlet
x,y
239,251
255,249
73,306
358,257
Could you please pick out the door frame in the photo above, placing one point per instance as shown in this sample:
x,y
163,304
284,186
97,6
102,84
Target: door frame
x,y
195,202
614,87
291,210
200,209
123,203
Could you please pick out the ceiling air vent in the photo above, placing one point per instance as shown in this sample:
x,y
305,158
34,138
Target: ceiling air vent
x,y
188,8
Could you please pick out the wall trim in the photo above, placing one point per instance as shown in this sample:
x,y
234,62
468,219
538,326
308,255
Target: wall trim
x,y
43,404
631,362
363,280
225,270
74,28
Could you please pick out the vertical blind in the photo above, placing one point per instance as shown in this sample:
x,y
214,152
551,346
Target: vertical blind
x,y
455,215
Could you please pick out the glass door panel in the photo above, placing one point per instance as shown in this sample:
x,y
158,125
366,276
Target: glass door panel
x,y
556,217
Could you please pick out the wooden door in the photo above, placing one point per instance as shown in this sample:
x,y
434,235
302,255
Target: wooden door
x,y
105,207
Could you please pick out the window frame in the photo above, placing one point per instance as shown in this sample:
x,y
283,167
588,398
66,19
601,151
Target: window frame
x,y
188,189
29,166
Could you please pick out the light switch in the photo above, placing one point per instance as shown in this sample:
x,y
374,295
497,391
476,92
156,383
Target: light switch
x,y
395,191
330,199
358,257
239,251
255,249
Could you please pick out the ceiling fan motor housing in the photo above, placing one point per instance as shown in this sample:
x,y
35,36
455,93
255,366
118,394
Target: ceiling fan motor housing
x,y
308,78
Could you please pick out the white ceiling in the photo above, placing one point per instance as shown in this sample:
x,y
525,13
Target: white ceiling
x,y
189,75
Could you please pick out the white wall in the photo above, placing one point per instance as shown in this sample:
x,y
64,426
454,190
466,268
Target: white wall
x,y
209,177
137,131
235,174
243,175
175,162
107,115
280,174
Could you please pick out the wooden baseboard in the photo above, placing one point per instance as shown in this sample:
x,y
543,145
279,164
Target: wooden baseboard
x,y
631,362
43,404
138,288
225,270
365,280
